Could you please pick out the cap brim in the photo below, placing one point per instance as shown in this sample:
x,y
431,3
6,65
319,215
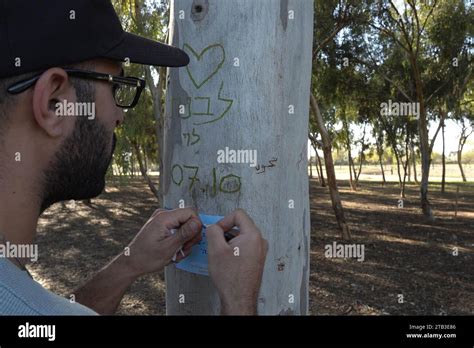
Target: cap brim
x,y
140,50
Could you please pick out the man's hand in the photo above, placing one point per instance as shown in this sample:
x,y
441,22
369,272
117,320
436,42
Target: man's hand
x,y
236,267
150,251
155,245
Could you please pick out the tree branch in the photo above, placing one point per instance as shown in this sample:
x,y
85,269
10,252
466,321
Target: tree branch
x,y
391,34
338,28
375,67
401,25
441,121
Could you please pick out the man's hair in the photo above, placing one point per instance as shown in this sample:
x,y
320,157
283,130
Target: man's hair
x,y
6,100
85,92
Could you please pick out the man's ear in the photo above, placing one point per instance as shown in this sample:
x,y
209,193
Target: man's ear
x,y
52,88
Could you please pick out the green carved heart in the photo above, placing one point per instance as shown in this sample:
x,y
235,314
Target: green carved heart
x,y
205,57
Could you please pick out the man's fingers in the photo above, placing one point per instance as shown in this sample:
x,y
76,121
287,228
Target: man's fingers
x,y
229,235
215,238
188,231
175,218
237,218
157,211
190,243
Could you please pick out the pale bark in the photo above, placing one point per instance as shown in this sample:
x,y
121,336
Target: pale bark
x,y
242,104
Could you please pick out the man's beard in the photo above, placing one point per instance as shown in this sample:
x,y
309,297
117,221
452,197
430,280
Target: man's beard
x,y
79,167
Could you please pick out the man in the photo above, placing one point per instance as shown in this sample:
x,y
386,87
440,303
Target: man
x,y
57,53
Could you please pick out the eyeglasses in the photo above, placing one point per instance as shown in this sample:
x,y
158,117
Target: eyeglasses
x,y
126,90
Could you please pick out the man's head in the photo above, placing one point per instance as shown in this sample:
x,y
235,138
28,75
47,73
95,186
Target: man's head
x,y
67,154
58,157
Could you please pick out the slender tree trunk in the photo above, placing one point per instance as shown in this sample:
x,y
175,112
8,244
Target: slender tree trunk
x,y
360,168
323,183
145,159
406,164
351,179
409,165
352,172
397,158
330,172
462,142
382,169
443,160
460,167
361,153
380,153
413,156
143,171
459,156
319,167
402,190
311,168
156,93
409,170
424,141
132,165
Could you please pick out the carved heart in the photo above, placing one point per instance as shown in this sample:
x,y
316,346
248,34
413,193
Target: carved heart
x,y
203,66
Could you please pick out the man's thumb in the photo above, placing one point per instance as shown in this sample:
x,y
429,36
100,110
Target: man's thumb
x,y
188,231
215,237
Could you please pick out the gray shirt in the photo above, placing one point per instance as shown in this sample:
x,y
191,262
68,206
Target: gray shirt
x,y
21,295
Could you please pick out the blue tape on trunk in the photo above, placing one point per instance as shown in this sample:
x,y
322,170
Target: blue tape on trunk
x,y
196,262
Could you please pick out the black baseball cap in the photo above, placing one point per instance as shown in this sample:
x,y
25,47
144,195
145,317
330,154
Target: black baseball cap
x,y
39,34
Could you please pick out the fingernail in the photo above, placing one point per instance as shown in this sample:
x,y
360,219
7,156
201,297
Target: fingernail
x,y
194,226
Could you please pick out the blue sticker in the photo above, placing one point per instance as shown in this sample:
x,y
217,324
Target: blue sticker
x,y
196,262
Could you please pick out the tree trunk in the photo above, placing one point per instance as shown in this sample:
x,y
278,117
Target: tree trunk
x,y
406,164
156,93
382,171
330,172
424,141
443,160
149,182
462,142
132,166
145,159
380,155
397,158
323,183
360,168
402,190
275,192
319,167
413,155
459,156
361,154
352,173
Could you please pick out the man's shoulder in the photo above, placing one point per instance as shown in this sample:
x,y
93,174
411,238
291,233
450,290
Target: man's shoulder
x,y
21,295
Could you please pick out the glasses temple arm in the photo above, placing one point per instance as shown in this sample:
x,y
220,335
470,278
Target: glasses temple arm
x,y
22,86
